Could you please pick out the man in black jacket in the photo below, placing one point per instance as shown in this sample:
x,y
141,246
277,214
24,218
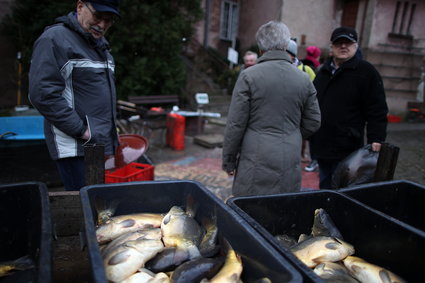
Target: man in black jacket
x,y
72,84
351,97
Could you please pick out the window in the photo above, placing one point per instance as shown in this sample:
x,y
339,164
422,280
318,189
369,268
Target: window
x,y
403,17
229,20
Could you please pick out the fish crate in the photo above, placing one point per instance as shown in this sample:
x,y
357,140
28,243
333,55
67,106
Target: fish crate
x,y
26,230
377,238
130,173
258,257
401,199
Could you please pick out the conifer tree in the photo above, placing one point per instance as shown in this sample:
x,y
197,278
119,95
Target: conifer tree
x,y
146,42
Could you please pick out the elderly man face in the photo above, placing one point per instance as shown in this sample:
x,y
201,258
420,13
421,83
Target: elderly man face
x,y
92,21
343,49
250,60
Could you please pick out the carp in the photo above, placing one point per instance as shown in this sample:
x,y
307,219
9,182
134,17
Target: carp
x,y
119,225
332,272
367,272
124,260
181,231
150,233
321,249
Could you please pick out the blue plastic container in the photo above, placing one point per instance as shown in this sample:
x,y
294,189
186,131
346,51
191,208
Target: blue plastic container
x,y
22,128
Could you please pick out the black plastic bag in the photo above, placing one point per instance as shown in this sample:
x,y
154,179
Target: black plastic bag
x,y
357,168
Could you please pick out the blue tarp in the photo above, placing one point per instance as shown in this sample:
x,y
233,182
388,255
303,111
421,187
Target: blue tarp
x,y
22,128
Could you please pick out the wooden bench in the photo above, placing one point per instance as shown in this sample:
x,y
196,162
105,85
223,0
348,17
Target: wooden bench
x,y
152,121
155,100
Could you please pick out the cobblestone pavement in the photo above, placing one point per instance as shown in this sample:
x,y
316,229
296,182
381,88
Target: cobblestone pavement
x,y
410,138
206,169
203,164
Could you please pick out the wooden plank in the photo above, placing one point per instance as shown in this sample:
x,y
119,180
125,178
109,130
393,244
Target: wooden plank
x,y
67,215
387,162
154,99
209,140
94,157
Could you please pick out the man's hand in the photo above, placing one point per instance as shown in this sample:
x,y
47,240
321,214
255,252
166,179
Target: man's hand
x,y
376,146
86,135
231,173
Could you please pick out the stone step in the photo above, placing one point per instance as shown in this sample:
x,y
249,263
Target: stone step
x,y
398,71
400,83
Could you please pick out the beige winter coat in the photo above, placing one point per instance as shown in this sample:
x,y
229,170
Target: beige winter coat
x,y
273,108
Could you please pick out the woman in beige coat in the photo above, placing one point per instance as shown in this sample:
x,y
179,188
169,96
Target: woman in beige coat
x,y
273,108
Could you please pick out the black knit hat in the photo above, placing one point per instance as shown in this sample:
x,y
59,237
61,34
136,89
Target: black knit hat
x,y
344,32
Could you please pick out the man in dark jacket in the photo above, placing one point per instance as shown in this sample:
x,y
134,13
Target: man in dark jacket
x,y
71,83
351,97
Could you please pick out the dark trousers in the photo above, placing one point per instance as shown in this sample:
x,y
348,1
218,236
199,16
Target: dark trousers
x,y
326,169
72,171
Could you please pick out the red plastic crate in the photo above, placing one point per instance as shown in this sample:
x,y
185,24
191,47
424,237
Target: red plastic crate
x,y
130,173
394,118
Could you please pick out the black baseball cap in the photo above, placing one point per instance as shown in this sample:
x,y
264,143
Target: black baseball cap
x,y
106,6
344,32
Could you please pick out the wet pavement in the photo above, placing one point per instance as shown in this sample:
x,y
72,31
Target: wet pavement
x,y
203,164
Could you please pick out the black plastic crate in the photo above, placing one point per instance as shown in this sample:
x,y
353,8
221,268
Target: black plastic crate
x,y
403,200
258,257
26,230
376,238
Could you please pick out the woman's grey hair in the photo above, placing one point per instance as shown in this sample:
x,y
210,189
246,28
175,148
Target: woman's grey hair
x,y
273,36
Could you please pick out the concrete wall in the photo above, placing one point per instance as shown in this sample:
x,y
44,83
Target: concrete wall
x,y
383,15
253,14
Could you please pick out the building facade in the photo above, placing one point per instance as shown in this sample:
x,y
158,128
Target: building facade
x,y
391,33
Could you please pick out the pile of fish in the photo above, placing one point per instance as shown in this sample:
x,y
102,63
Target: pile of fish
x,y
150,247
331,258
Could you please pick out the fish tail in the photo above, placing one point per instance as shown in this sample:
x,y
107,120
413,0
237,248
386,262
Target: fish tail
x,y
102,204
191,206
23,263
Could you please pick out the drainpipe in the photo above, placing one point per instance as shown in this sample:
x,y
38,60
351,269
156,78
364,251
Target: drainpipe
x,y
207,22
363,21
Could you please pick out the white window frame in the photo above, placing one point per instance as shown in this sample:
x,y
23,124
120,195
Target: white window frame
x,y
229,18
403,17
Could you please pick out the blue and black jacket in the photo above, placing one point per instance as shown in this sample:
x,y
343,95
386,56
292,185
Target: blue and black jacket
x,y
72,84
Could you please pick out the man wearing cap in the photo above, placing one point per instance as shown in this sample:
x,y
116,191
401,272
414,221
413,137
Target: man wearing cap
x,y
72,84
351,97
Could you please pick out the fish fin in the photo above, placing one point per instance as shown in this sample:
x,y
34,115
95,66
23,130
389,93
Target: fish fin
x,y
234,278
193,252
318,259
127,223
119,258
105,209
384,276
